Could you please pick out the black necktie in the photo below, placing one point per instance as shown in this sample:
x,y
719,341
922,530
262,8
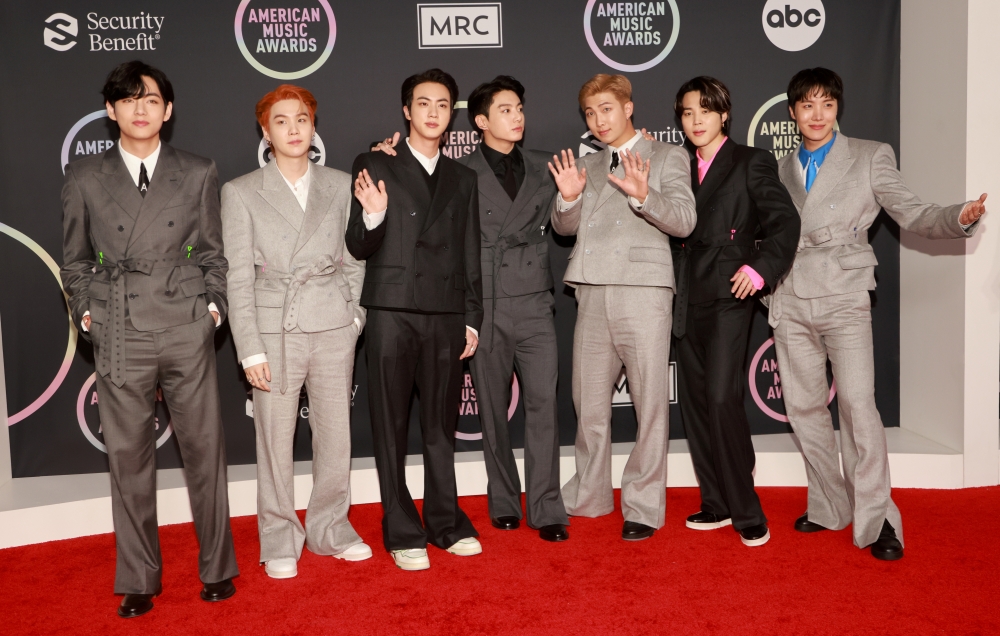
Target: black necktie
x,y
143,179
614,160
509,182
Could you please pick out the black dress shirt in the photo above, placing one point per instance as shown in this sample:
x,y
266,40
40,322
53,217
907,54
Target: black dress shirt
x,y
499,162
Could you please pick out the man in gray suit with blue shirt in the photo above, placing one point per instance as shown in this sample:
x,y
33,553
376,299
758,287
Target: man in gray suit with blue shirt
x,y
822,310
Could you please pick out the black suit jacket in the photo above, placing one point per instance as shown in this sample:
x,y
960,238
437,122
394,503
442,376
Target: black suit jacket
x,y
425,255
741,202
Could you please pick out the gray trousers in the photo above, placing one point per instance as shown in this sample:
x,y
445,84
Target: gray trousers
x,y
523,339
324,363
839,328
181,360
620,325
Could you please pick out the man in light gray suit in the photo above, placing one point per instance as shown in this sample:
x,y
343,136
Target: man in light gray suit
x,y
822,310
622,269
294,297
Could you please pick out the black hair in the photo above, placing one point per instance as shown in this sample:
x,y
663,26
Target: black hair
x,y
434,75
482,97
811,81
126,81
714,96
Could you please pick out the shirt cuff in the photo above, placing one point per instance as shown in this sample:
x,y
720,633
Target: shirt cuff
x,y
218,321
563,206
254,359
634,202
372,221
357,323
755,278
83,323
475,332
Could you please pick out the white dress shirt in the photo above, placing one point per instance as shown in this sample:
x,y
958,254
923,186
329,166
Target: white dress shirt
x,y
134,166
565,207
301,187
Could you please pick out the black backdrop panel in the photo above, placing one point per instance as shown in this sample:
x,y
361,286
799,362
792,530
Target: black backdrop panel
x,y
223,56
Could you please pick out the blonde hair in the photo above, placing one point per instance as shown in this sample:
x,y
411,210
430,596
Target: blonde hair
x,y
617,85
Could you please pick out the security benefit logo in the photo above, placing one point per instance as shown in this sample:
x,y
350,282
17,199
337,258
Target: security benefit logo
x,y
793,25
460,26
469,406
123,32
91,135
669,135
631,36
89,418
317,151
620,395
285,42
765,382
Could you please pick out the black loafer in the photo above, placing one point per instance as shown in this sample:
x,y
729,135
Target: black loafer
x,y
755,535
214,592
136,604
506,523
633,531
554,533
802,524
888,547
707,521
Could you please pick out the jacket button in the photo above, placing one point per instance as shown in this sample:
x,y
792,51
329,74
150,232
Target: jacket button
x,y
489,211
413,214
504,265
446,248
618,222
590,225
832,206
418,275
590,194
121,228
419,244
131,296
529,263
445,277
586,251
168,293
537,208
170,224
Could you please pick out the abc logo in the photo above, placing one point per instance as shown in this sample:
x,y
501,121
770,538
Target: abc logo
x,y
793,25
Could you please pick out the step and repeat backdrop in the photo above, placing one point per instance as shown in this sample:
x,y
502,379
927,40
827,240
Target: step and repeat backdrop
x,y
222,56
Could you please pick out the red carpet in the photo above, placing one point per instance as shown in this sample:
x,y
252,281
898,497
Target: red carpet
x,y
680,581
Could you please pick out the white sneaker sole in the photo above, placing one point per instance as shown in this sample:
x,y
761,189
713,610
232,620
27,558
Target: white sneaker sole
x,y
753,543
354,557
466,551
412,567
291,574
709,526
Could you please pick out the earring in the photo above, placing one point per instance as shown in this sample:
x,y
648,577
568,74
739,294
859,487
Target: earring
x,y
267,141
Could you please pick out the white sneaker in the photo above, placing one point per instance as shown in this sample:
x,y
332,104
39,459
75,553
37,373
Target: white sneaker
x,y
281,568
358,552
466,547
413,559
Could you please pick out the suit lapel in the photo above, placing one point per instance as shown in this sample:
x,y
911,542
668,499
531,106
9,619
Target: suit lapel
x,y
445,190
118,182
722,164
533,176
488,184
836,165
409,171
321,193
280,197
599,177
166,179
791,177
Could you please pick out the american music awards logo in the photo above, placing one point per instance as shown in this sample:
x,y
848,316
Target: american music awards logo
x,y
772,128
461,138
286,42
89,417
620,395
631,36
765,383
88,136
470,406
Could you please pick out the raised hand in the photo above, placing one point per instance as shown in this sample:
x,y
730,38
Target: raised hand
x,y
973,211
388,145
569,181
373,199
636,181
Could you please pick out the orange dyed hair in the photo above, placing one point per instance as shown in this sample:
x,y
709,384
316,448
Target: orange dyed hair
x,y
283,92
617,85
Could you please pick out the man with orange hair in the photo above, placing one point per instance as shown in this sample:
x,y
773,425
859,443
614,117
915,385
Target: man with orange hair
x,y
295,314
621,205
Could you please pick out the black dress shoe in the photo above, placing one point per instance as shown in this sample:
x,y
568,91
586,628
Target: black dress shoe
x,y
888,547
136,604
633,531
755,535
555,533
506,523
213,592
707,521
802,524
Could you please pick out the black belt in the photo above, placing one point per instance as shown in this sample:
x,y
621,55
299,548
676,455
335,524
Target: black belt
x,y
682,279
502,245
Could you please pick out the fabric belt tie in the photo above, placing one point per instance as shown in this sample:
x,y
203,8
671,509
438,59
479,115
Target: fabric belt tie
x,y
111,359
502,245
825,237
322,267
682,278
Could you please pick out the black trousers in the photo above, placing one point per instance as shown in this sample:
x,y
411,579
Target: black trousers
x,y
710,361
403,348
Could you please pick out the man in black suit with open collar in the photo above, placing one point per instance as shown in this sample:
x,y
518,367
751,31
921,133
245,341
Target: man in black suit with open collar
x,y
415,221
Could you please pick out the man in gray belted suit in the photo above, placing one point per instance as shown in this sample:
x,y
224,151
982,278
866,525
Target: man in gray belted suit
x,y
623,272
822,310
294,292
146,279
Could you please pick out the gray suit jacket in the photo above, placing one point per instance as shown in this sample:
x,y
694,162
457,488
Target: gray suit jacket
x,y
617,245
515,250
108,227
857,179
287,268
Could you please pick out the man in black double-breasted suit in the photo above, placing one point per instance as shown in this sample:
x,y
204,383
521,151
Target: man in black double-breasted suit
x,y
423,291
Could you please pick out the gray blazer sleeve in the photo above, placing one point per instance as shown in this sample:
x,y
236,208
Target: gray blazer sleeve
x,y
670,205
926,219
78,254
567,223
237,235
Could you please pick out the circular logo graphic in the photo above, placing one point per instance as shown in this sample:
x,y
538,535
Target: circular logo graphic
x,y
765,382
89,417
470,406
286,43
631,36
773,129
89,136
57,381
317,151
793,25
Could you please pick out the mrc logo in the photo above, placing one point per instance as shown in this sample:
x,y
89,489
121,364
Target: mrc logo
x,y
460,26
